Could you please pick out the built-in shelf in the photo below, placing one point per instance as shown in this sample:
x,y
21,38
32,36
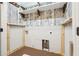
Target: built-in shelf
x,y
68,20
12,24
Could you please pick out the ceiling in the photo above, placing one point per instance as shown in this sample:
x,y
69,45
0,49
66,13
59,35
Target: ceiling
x,y
28,5
43,6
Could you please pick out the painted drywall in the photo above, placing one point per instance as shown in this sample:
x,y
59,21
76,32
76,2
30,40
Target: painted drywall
x,y
4,21
36,34
12,13
16,37
0,27
68,39
75,18
4,26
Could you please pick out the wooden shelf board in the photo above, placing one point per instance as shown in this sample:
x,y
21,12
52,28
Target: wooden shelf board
x,y
12,24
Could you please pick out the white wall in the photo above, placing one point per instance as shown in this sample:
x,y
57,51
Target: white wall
x,y
75,15
68,12
16,37
68,38
4,26
0,27
4,21
36,34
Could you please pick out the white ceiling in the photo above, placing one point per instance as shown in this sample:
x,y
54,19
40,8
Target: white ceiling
x,y
45,7
32,4
27,4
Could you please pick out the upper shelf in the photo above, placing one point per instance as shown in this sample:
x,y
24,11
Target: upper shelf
x,y
12,24
69,20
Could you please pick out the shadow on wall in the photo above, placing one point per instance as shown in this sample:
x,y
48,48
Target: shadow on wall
x,y
71,48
